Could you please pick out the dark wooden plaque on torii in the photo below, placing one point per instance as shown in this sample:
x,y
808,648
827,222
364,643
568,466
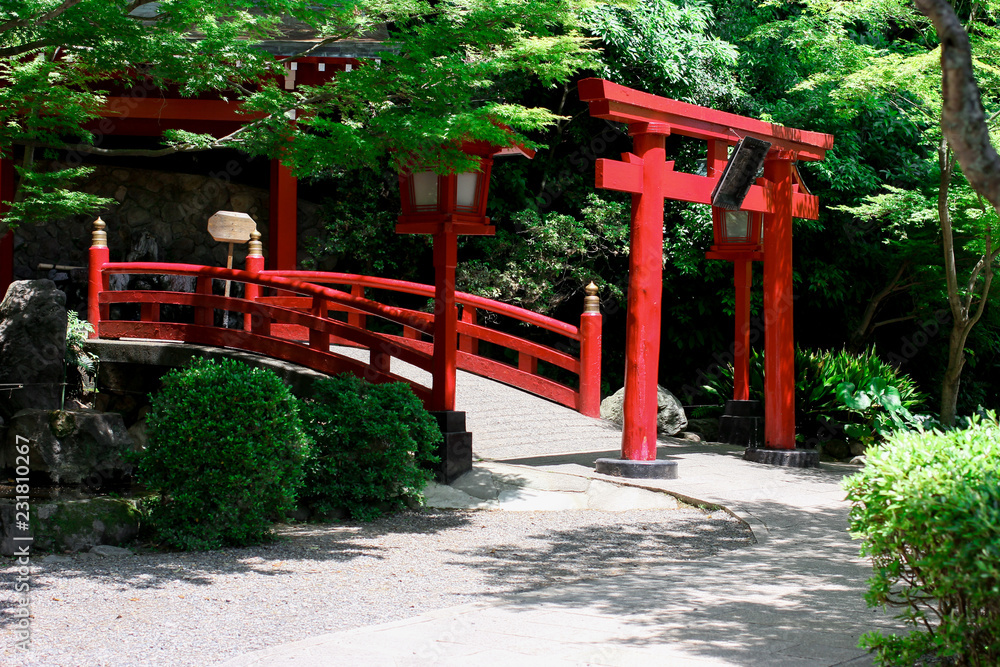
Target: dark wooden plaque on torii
x,y
651,178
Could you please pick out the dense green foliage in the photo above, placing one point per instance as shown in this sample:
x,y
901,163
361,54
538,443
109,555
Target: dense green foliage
x,y
372,444
552,256
836,391
927,506
425,94
77,332
226,450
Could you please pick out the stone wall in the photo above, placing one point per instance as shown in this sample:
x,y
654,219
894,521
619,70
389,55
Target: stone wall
x,y
158,217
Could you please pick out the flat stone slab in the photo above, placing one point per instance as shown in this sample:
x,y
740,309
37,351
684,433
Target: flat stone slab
x,y
443,496
521,489
610,497
108,551
530,478
479,483
533,500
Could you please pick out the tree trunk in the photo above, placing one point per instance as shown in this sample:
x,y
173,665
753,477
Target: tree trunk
x,y
953,375
859,337
959,316
964,125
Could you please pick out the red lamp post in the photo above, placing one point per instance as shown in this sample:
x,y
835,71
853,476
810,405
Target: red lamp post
x,y
446,205
433,202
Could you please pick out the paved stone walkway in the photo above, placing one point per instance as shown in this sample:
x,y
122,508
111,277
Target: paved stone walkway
x,y
794,598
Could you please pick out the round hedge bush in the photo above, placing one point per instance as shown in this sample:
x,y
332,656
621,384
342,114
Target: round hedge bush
x,y
372,445
226,453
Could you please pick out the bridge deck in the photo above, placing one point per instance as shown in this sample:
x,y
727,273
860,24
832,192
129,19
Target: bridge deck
x,y
508,423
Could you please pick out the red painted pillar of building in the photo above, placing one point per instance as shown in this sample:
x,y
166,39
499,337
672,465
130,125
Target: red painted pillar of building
x,y
445,320
742,278
645,286
282,225
7,240
779,335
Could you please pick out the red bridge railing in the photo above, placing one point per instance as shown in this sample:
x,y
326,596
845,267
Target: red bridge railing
x,y
305,316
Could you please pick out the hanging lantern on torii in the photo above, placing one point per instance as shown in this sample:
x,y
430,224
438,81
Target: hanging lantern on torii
x,y
757,228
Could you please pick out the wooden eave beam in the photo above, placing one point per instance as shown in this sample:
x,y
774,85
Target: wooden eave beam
x,y
618,103
175,109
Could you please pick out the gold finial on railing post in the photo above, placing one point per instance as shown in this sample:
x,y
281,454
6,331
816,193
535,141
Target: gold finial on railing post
x,y
591,302
99,237
256,248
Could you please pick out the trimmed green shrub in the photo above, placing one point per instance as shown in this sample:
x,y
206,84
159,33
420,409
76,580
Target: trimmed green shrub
x,y
927,507
372,444
226,450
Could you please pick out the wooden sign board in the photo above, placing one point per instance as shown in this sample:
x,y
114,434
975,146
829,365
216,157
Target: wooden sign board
x,y
231,227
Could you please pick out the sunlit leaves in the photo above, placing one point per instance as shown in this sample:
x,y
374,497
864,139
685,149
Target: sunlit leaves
x,y
428,90
666,48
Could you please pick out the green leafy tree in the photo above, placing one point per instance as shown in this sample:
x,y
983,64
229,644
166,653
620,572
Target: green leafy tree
x,y
868,72
667,48
555,233
61,58
549,257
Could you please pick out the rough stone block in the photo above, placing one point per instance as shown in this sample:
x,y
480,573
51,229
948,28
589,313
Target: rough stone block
x,y
670,419
32,345
70,447
71,525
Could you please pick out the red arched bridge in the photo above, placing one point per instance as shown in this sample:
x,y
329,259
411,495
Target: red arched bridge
x,y
302,316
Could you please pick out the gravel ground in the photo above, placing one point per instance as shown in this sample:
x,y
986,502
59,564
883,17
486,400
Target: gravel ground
x,y
195,609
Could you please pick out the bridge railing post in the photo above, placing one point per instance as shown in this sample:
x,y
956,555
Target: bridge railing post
x,y
590,353
468,343
254,265
357,319
99,256
319,340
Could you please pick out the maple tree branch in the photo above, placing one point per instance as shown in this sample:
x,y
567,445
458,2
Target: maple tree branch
x,y
41,18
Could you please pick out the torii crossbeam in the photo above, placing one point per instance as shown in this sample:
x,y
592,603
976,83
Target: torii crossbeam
x,y
651,178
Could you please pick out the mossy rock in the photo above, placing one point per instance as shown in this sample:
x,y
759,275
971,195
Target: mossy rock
x,y
72,525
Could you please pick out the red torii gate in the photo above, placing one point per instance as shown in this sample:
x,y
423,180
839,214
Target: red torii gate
x,y
651,179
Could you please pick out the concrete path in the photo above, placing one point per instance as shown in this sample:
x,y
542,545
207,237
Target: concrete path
x,y
794,598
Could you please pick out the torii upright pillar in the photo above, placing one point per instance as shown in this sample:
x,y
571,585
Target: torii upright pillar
x,y
643,174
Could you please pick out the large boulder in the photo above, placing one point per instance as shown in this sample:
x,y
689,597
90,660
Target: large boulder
x,y
670,420
32,346
70,447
